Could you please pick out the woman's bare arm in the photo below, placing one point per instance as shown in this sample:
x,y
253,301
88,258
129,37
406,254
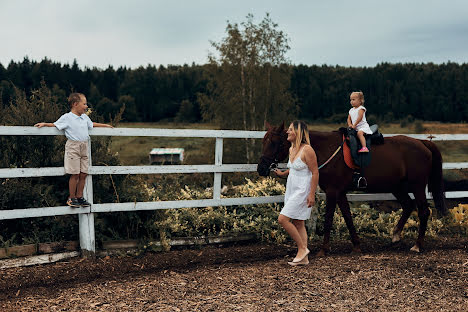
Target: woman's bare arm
x,y
310,159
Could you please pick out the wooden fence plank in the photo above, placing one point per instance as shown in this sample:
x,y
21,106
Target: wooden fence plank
x,y
40,212
179,169
136,206
33,260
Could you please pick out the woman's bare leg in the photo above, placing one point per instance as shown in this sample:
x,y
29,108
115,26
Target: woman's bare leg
x,y
302,250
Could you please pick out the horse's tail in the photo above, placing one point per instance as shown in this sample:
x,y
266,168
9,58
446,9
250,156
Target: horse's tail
x,y
436,181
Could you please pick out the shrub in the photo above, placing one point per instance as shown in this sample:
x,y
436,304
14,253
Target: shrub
x,y
47,151
418,126
262,219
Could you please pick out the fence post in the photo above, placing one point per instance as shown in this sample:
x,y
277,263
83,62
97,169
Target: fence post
x,y
86,220
218,162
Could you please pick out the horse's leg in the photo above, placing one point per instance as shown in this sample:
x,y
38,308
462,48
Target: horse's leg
x,y
408,205
423,214
329,212
344,207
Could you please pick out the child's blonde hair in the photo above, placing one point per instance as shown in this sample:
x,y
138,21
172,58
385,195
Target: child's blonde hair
x,y
360,95
302,134
75,98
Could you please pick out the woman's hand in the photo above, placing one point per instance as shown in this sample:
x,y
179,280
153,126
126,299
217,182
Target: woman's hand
x,y
278,172
311,200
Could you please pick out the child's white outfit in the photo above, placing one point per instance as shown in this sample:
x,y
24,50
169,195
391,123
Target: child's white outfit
x,y
362,125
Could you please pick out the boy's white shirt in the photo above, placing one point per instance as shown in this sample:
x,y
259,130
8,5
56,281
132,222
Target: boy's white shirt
x,y
75,127
362,125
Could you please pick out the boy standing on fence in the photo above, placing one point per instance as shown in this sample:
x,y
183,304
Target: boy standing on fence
x,y
76,125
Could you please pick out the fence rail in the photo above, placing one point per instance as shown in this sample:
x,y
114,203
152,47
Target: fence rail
x,y
86,215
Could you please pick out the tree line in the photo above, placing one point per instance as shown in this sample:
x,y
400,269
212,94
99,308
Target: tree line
x,y
150,94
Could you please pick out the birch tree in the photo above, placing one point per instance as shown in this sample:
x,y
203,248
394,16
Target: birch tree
x,y
249,77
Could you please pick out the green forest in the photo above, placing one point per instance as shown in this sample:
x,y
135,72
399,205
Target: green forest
x,y
319,93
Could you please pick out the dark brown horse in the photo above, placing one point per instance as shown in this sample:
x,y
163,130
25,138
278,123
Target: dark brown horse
x,y
400,166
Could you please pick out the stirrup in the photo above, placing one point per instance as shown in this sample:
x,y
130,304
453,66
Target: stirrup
x,y
362,183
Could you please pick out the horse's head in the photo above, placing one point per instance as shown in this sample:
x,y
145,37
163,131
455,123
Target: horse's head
x,y
275,148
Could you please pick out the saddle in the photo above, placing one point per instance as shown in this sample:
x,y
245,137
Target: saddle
x,y
360,160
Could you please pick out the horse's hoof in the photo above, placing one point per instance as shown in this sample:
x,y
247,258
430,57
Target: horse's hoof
x,y
321,253
415,248
356,250
396,238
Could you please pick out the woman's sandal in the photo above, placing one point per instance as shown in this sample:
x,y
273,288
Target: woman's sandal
x,y
296,260
304,261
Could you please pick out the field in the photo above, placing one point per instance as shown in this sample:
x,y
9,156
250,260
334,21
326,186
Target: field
x,y
251,277
134,150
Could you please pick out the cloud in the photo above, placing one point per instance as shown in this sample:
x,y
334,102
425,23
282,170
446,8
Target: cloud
x,y
141,32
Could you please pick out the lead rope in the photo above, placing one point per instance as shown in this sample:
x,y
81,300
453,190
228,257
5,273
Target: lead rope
x,y
331,157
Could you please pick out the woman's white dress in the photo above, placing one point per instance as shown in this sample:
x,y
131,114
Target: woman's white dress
x,y
297,190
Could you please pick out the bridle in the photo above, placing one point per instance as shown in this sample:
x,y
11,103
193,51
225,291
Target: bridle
x,y
274,160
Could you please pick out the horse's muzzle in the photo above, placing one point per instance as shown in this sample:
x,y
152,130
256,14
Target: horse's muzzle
x,y
263,169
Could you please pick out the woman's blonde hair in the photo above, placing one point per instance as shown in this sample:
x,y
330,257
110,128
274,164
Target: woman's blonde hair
x,y
302,134
360,95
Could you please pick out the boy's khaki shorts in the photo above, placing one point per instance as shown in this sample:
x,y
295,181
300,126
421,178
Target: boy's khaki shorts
x,y
76,157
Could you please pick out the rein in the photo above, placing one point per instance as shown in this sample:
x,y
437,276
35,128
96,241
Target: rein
x,y
331,157
275,161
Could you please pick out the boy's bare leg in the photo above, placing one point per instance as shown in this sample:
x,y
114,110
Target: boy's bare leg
x,y
81,184
72,184
360,135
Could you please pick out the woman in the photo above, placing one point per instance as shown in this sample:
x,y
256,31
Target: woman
x,y
303,175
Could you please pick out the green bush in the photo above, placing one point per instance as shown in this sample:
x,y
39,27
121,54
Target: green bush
x,y
48,105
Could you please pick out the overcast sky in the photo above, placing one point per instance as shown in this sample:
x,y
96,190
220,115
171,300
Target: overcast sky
x,y
140,32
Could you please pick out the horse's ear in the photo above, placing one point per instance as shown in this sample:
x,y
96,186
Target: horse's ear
x,y
267,125
281,127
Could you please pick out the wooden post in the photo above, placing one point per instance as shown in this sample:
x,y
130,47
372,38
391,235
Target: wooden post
x,y
218,162
86,220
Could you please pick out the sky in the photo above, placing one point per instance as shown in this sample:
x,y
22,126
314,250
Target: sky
x,y
133,33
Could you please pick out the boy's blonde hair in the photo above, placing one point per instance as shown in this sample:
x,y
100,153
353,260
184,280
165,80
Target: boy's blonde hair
x,y
74,98
302,134
360,95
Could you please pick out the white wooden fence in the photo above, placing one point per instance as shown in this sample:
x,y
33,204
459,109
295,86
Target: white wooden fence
x,y
86,215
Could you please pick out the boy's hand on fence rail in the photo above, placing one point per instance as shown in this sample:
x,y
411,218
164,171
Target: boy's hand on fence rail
x,y
44,124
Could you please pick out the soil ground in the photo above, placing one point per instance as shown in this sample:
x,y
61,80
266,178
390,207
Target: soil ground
x,y
250,277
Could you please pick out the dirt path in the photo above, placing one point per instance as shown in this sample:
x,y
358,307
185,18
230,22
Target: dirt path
x,y
249,278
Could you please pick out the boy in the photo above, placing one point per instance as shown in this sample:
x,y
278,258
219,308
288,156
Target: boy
x,y
76,125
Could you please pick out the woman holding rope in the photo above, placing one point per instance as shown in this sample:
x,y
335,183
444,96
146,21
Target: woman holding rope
x,y
303,176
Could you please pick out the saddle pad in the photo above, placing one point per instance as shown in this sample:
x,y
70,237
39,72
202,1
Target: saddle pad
x,y
347,156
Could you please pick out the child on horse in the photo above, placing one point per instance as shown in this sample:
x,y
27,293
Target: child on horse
x,y
357,119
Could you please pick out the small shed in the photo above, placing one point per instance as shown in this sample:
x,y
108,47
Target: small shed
x,y
166,156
